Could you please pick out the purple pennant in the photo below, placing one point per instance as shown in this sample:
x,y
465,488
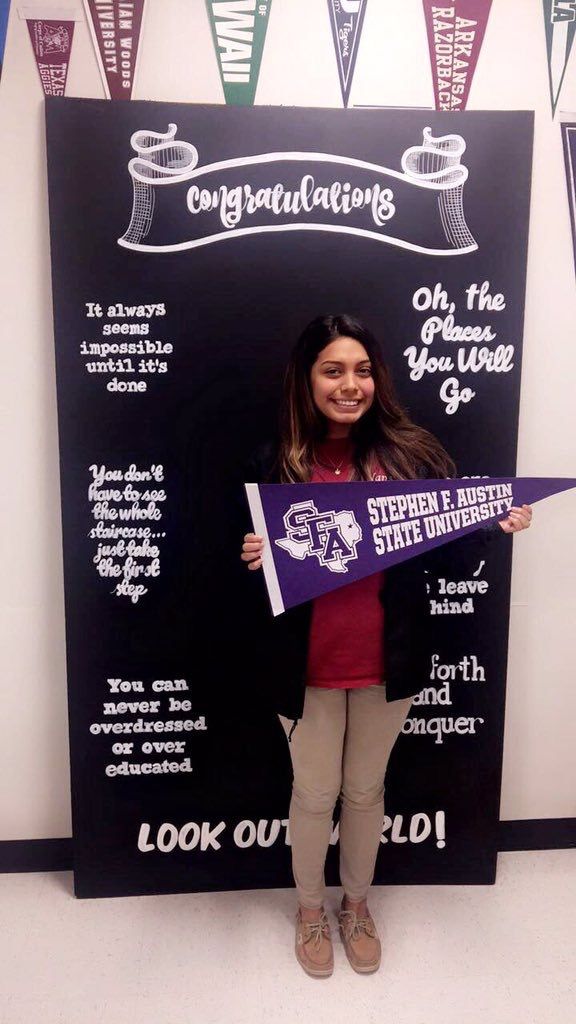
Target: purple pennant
x,y
346,18
569,140
322,536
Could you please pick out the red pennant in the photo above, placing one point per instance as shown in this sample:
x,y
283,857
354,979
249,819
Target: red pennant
x,y
52,44
116,27
455,35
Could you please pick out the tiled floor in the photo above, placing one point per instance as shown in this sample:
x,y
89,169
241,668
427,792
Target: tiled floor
x,y
503,954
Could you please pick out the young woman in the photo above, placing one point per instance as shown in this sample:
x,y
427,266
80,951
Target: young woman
x,y
346,666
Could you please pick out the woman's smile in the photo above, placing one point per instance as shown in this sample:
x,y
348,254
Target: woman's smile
x,y
346,364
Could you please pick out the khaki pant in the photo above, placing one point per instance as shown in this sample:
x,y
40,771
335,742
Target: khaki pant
x,y
340,747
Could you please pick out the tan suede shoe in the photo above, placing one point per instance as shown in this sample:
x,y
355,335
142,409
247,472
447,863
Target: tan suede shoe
x,y
314,946
360,940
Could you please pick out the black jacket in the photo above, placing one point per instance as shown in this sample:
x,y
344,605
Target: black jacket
x,y
278,646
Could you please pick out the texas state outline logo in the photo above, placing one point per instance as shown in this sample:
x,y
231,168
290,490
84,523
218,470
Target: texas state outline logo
x,y
331,537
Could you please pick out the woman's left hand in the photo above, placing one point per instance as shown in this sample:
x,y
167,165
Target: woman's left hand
x,y
517,519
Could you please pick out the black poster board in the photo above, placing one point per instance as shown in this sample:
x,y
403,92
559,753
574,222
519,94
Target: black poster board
x,y
179,287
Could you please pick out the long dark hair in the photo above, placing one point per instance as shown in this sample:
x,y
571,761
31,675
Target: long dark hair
x,y
385,434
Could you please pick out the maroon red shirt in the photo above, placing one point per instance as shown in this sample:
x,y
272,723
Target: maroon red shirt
x,y
346,636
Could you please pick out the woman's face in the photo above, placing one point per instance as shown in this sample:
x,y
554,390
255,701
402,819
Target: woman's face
x,y
342,382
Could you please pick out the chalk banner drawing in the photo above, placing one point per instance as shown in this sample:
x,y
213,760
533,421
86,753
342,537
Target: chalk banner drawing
x,y
419,208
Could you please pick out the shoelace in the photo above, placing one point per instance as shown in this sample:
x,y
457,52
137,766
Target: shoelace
x,y
352,925
314,930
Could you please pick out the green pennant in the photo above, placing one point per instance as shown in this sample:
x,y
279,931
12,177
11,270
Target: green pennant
x,y
239,29
560,28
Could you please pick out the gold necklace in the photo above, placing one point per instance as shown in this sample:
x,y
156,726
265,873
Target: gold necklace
x,y
337,469
323,478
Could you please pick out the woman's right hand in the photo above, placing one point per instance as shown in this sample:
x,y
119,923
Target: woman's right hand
x,y
252,549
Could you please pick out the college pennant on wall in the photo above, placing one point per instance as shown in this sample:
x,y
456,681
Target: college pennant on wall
x,y
569,140
455,35
322,536
51,37
239,30
346,18
116,27
560,26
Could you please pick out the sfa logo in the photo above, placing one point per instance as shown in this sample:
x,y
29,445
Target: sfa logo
x,y
330,536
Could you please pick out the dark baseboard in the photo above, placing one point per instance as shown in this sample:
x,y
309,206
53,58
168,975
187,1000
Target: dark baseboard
x,y
537,834
56,854
36,855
